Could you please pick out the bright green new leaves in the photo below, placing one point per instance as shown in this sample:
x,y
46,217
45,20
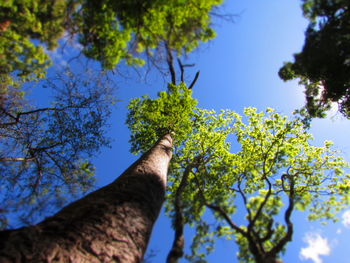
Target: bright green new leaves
x,y
171,112
251,171
274,172
277,171
198,158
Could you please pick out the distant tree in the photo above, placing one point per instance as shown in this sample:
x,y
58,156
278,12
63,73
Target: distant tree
x,y
112,224
273,172
323,65
45,152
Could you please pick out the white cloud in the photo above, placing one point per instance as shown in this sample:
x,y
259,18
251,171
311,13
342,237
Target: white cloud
x,y
346,219
317,246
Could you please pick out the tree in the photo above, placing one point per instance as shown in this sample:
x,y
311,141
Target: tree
x,y
274,164
33,161
274,172
45,152
113,223
108,31
20,22
323,66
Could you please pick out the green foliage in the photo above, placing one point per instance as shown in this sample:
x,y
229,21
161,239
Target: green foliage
x,y
22,21
268,171
110,31
45,152
113,30
171,112
278,170
323,65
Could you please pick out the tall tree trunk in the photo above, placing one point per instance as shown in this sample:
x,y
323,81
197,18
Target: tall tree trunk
x,y
112,224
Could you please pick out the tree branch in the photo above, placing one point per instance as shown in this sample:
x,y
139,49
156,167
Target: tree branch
x,y
194,80
263,203
19,114
176,251
182,69
181,66
170,61
220,210
288,236
244,198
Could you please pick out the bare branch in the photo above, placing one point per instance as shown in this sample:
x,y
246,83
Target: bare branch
x,y
287,215
181,66
170,61
19,114
194,80
182,69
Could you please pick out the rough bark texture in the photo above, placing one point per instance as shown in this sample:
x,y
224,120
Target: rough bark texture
x,y
112,224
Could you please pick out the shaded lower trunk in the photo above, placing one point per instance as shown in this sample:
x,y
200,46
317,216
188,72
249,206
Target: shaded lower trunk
x,y
112,224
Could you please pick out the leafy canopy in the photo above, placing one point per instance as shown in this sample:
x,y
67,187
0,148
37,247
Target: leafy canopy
x,y
45,152
252,185
171,112
114,30
323,65
21,21
109,31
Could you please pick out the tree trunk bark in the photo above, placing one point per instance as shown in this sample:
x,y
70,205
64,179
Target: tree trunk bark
x,y
112,224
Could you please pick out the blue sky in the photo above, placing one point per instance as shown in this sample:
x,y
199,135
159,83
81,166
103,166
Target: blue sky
x,y
239,69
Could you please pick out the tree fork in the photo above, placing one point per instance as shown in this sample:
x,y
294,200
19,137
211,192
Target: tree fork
x,y
112,224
